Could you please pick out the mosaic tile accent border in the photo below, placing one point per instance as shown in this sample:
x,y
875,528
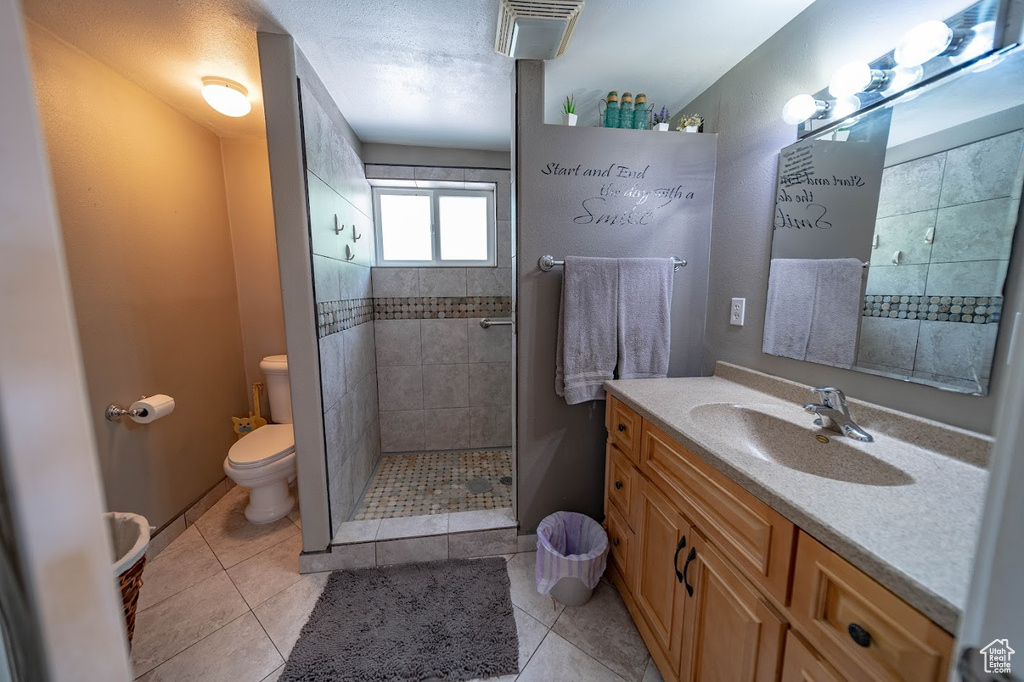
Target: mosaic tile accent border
x,y
440,307
337,316
964,309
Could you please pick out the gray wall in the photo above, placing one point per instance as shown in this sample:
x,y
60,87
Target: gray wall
x,y
744,107
338,193
561,447
445,384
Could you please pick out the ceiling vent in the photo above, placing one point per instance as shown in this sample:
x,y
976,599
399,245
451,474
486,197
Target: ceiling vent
x,y
536,29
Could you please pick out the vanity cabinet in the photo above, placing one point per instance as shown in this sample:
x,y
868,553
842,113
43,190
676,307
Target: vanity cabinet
x,y
723,587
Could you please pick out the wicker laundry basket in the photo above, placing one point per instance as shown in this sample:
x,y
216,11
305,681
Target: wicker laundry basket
x,y
129,535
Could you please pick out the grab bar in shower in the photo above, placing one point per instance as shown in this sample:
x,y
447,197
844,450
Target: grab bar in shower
x,y
487,323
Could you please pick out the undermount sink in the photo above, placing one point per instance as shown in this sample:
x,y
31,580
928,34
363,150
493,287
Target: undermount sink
x,y
770,433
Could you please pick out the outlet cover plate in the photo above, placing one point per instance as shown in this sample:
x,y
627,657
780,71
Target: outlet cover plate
x,y
737,311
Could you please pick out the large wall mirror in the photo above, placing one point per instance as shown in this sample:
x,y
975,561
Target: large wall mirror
x,y
893,232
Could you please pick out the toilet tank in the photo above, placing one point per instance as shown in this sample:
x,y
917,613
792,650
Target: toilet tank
x,y
275,369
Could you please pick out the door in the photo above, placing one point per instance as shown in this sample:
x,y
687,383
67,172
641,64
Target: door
x,y
801,665
662,537
730,634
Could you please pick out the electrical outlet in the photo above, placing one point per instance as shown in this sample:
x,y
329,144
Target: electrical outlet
x,y
737,311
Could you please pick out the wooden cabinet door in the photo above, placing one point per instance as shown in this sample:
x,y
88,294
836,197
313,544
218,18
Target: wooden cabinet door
x,y
662,537
800,664
730,633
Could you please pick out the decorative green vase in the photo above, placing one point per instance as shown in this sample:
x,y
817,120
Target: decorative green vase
x,y
611,110
626,111
640,117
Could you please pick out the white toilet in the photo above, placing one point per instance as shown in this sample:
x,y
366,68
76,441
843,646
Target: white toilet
x,y
264,460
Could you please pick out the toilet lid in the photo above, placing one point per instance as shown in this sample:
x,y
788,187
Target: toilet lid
x,y
263,446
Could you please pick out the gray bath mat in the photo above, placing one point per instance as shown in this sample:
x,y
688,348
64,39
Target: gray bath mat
x,y
444,620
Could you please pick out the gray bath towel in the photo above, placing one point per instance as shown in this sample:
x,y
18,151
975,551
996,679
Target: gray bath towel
x,y
813,309
645,323
586,347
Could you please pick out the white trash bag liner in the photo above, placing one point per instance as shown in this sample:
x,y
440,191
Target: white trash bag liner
x,y
129,539
570,545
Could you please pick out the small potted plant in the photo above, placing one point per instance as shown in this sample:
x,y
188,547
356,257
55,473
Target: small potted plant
x,y
661,119
690,124
569,111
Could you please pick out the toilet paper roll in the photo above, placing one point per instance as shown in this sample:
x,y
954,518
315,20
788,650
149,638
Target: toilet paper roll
x,y
147,409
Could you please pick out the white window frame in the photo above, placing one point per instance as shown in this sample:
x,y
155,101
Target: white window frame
x,y
435,234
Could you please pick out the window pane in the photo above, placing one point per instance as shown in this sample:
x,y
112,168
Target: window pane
x,y
463,227
405,227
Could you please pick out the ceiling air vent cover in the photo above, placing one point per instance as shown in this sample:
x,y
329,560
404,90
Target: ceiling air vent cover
x,y
536,29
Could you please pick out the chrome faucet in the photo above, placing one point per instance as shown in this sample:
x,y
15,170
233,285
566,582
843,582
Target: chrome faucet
x,y
833,414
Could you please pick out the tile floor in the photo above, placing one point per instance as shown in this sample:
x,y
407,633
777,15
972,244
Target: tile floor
x,y
435,483
225,601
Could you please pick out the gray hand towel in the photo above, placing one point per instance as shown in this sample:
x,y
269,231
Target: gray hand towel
x,y
813,308
837,309
645,322
586,347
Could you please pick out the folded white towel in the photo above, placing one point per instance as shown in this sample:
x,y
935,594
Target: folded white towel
x,y
645,321
587,320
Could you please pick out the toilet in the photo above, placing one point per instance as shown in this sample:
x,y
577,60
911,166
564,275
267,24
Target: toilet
x,y
264,460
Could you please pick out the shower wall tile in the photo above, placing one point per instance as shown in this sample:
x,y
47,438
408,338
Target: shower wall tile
x,y
971,278
332,369
978,231
401,431
390,172
445,386
354,280
446,429
430,173
400,388
887,341
902,279
490,384
396,282
958,350
360,356
983,170
503,234
911,186
443,281
326,282
398,342
444,341
904,233
490,426
489,281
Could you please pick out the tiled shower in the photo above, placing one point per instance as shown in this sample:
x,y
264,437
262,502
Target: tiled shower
x,y
932,316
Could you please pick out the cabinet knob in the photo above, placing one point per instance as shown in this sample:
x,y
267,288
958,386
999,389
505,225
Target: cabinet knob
x,y
618,485
859,635
622,427
615,542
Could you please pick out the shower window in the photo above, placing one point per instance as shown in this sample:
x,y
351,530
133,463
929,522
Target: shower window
x,y
434,227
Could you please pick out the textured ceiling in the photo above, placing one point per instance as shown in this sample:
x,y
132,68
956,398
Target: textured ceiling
x,y
413,72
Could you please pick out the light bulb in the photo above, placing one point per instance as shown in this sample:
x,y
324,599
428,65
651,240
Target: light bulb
x,y
802,107
902,78
845,106
923,42
226,96
850,79
979,41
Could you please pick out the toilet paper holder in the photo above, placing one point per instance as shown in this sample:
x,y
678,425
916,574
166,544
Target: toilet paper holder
x,y
114,412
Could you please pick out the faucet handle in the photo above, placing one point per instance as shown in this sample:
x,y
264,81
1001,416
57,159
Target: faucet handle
x,y
832,397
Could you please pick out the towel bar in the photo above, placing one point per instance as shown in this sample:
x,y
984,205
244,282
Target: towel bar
x,y
547,262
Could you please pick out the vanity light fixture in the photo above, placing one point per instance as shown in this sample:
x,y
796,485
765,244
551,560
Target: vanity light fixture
x,y
902,77
980,41
857,77
226,96
929,40
803,107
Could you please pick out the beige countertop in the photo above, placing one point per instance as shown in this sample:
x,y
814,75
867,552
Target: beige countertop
x,y
914,534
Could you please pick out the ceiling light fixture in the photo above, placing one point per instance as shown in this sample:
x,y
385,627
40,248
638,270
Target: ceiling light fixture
x,y
856,77
803,107
927,41
226,96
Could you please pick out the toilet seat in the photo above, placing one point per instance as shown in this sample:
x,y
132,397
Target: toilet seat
x,y
263,446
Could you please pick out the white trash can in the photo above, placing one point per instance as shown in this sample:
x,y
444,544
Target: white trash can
x,y
572,554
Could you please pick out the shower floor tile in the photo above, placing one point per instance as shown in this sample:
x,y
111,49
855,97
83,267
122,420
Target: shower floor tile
x,y
437,483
